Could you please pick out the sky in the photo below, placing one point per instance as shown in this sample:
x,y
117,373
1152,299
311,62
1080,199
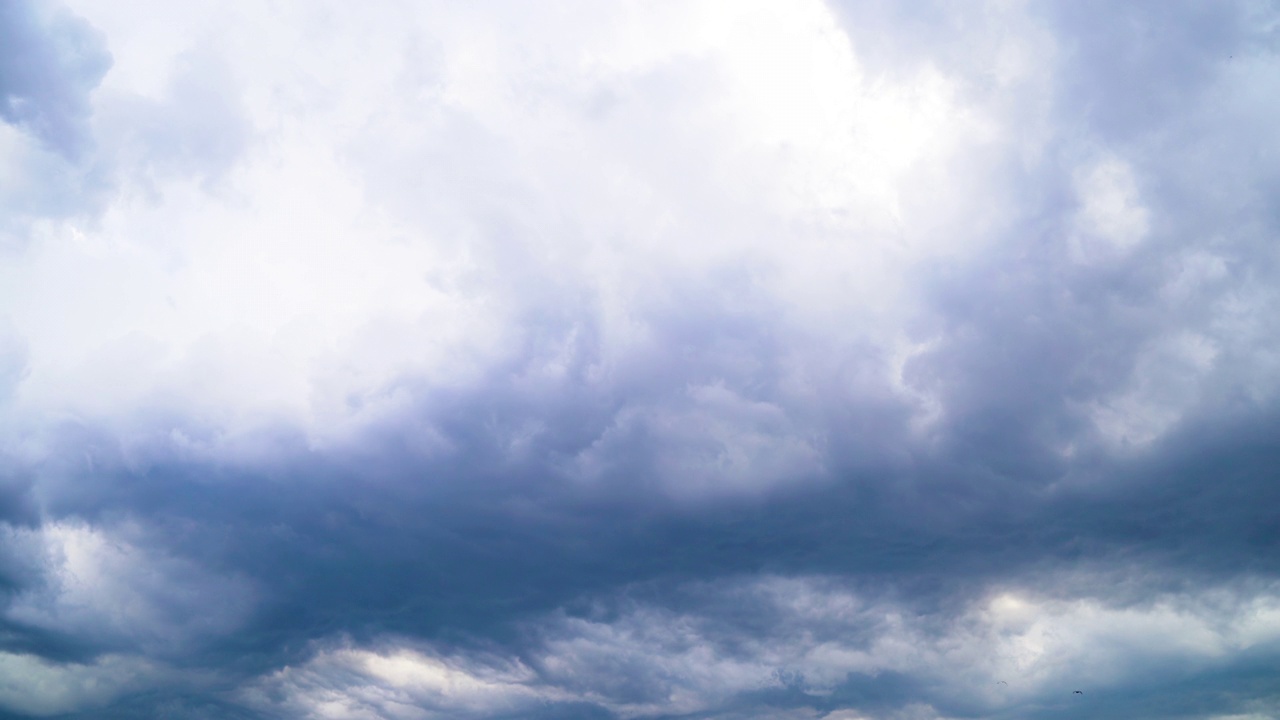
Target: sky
x,y
706,359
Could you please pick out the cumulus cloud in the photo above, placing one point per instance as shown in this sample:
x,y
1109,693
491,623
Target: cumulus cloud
x,y
629,360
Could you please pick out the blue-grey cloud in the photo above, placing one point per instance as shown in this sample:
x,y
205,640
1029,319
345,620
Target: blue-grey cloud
x,y
633,407
51,61
50,64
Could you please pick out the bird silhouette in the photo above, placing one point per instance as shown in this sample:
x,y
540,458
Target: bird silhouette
x,y
1001,682
1078,692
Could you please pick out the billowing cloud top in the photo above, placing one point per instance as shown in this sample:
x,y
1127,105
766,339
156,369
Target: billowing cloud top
x,y
639,360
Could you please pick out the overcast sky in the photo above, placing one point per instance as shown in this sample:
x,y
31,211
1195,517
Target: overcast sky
x,y
737,360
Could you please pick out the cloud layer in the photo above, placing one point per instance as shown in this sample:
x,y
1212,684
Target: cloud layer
x,y
711,360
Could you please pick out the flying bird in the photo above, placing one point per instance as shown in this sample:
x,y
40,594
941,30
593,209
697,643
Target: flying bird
x,y
1001,682
1078,692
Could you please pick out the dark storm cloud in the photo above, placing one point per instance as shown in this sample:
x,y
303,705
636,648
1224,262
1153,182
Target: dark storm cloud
x,y
539,516
449,552
49,64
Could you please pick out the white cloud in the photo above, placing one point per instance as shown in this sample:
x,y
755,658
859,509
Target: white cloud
x,y
401,199
396,682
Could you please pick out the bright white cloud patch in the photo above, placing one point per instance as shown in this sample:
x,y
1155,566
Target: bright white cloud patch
x,y
346,682
403,206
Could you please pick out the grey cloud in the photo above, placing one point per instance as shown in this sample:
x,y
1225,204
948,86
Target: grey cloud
x,y
50,63
387,540
416,552
1136,67
14,360
1084,452
809,644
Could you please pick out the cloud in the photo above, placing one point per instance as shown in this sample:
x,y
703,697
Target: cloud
x,y
38,688
397,682
108,591
806,643
51,62
717,443
725,360
49,66
195,130
405,202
